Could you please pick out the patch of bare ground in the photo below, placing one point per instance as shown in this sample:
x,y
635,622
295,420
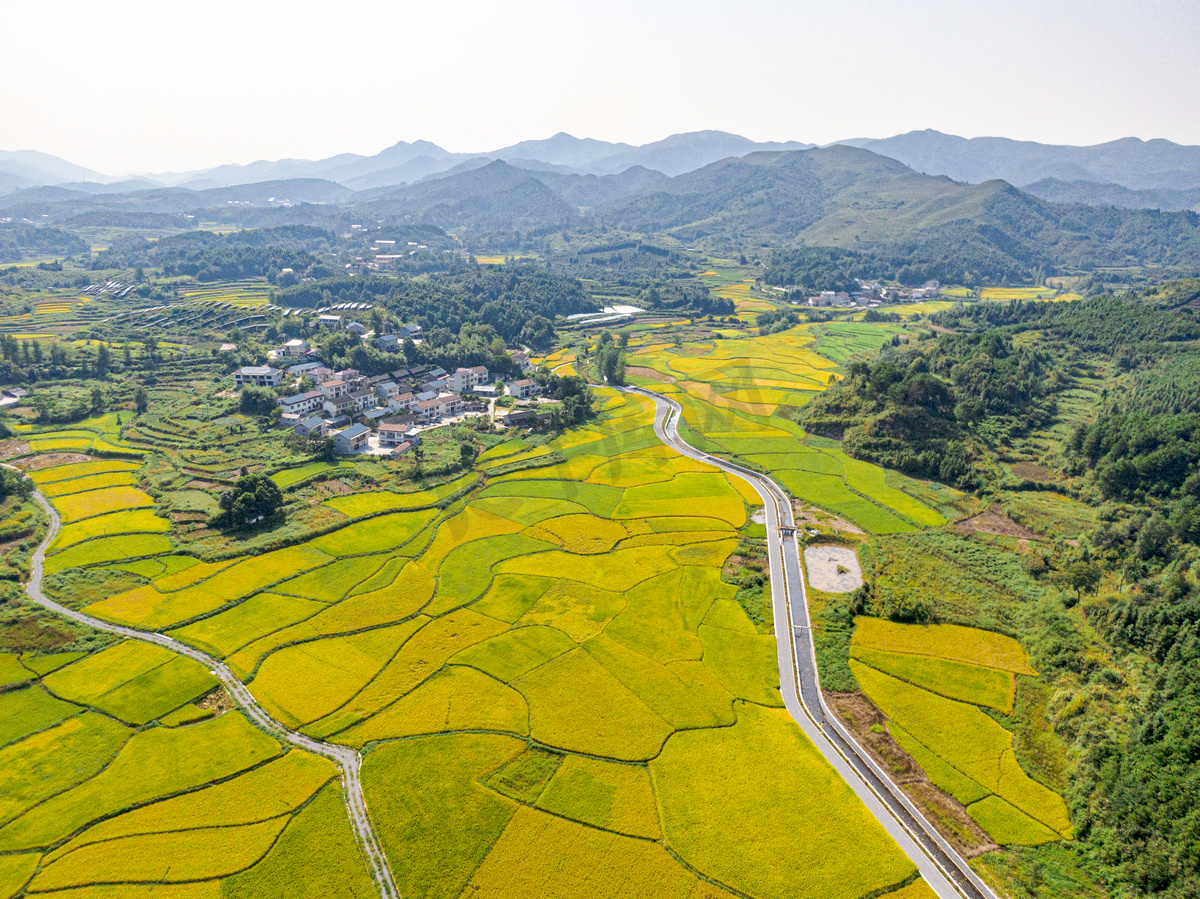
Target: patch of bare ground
x,y
1031,471
217,701
198,484
639,371
10,448
859,716
941,329
234,473
49,460
809,515
334,487
993,521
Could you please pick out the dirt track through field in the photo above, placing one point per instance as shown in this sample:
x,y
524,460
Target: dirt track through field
x,y
346,758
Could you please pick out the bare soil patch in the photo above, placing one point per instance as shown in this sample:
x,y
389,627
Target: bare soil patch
x,y
235,473
10,448
859,715
833,568
334,487
639,371
49,460
993,521
198,484
217,701
1031,471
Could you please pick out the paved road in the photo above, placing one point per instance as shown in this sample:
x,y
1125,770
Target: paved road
x,y
346,758
942,867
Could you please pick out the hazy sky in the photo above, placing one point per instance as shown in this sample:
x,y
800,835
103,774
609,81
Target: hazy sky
x,y
138,86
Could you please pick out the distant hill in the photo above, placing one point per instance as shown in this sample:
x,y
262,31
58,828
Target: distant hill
x,y
167,208
1144,168
562,149
1092,193
494,197
1129,162
682,153
28,168
586,191
847,197
344,167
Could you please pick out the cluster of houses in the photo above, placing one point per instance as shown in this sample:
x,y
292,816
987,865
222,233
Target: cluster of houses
x,y
395,406
872,293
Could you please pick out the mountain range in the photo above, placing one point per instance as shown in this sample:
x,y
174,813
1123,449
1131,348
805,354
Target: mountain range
x,y
1129,173
850,199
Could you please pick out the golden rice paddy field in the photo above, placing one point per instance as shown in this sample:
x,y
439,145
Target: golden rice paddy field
x,y
940,687
554,690
115,782
733,392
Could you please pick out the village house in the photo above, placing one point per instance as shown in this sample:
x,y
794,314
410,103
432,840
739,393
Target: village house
x,y
373,418
295,347
330,321
343,405
257,376
302,403
356,328
303,368
364,399
352,439
428,410
334,388
310,426
408,420
391,436
523,389
466,379
320,374
386,390
526,418
403,401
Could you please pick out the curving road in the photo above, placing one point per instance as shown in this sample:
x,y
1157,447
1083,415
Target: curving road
x,y
940,865
346,758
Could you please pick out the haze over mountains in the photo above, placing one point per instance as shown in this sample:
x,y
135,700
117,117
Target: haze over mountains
x,y
1129,173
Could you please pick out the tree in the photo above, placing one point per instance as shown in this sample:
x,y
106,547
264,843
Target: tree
x,y
1083,577
103,363
97,400
254,499
14,483
418,456
257,401
140,403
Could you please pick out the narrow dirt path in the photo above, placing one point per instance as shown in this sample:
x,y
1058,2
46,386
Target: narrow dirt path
x,y
346,758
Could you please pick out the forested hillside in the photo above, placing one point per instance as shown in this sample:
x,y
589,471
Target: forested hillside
x,y
854,199
962,406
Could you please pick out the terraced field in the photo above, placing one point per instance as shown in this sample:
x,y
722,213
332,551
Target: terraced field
x,y
534,671
114,782
936,684
736,393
